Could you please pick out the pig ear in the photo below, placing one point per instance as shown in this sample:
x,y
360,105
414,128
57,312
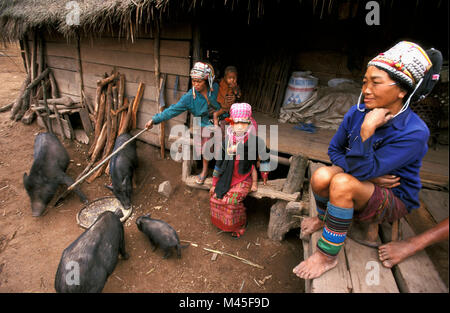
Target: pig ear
x,y
25,179
125,181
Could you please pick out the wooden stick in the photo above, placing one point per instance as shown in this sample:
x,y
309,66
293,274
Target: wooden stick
x,y
27,53
71,187
80,72
54,86
122,108
136,102
121,90
33,57
107,80
158,84
162,135
28,117
235,256
44,94
58,119
35,82
18,103
41,54
125,119
6,107
99,120
98,147
109,138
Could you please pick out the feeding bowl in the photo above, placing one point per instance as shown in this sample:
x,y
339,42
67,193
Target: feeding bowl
x,y
89,213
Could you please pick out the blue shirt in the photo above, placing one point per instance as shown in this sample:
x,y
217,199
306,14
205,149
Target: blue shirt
x,y
198,107
397,148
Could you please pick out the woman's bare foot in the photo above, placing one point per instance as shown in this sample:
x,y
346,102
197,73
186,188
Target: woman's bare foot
x,y
314,266
254,186
395,252
310,225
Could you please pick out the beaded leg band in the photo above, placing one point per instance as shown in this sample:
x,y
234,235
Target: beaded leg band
x,y
337,223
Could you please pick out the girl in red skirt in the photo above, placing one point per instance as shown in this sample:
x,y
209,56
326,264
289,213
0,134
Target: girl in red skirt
x,y
232,179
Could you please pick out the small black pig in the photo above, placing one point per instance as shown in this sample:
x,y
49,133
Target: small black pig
x,y
47,172
160,234
86,264
122,168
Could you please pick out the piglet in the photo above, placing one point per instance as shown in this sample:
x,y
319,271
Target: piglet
x,y
160,234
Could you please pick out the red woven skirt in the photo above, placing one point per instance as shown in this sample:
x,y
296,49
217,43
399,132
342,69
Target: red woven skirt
x,y
228,213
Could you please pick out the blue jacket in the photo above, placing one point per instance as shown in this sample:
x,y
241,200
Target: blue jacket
x,y
198,107
397,148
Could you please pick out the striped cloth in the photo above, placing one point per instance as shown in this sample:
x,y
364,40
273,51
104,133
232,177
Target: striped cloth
x,y
337,223
229,213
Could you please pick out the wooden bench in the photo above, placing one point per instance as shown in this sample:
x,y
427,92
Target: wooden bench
x,y
360,271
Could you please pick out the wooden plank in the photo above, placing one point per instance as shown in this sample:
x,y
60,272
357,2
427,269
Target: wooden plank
x,y
174,48
417,273
262,192
134,60
336,280
436,203
61,62
62,49
368,277
67,81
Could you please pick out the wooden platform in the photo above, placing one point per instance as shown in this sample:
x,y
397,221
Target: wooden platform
x,y
359,270
434,171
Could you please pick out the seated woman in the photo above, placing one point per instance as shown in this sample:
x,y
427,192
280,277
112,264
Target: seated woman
x,y
232,178
376,154
197,100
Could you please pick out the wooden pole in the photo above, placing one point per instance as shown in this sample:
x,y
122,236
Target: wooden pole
x,y
44,95
80,72
156,52
71,187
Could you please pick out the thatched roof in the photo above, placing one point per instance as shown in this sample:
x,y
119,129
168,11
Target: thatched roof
x,y
97,16
19,16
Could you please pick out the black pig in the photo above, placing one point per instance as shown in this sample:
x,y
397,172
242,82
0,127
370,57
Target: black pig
x,y
86,264
160,234
122,168
47,172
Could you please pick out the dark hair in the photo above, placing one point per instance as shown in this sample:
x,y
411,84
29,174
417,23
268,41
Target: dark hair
x,y
230,69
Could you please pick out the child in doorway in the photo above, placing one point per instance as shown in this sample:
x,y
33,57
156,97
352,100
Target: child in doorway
x,y
229,93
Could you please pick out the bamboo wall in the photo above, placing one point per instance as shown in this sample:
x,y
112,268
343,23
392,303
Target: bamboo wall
x,y
135,60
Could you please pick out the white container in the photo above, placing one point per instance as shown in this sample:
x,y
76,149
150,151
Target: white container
x,y
300,88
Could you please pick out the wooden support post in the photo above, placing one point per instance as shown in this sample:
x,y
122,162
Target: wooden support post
x,y
26,47
281,220
58,119
44,94
156,56
54,86
196,49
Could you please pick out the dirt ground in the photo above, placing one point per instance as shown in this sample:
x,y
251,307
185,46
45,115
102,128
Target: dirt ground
x,y
30,248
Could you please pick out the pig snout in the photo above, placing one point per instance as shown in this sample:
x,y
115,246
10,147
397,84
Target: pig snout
x,y
37,209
